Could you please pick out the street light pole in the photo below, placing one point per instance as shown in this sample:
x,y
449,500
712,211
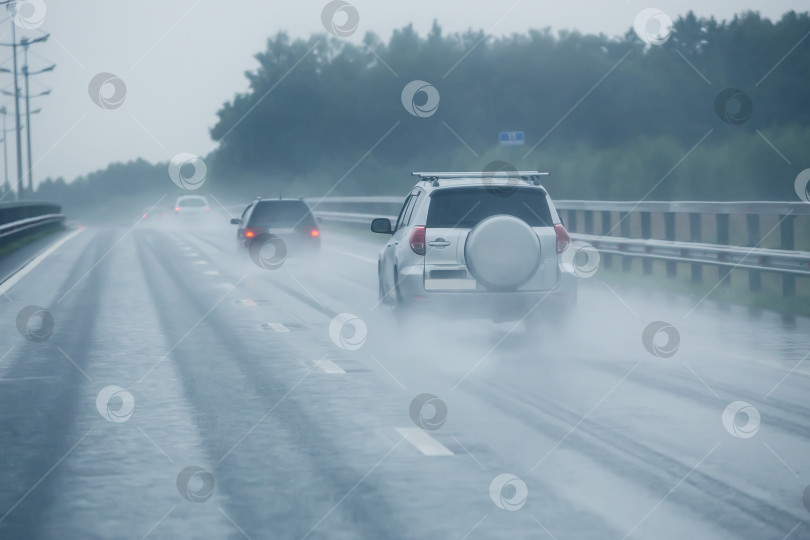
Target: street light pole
x,y
24,43
17,112
5,148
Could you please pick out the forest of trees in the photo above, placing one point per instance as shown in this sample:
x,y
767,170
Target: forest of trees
x,y
615,115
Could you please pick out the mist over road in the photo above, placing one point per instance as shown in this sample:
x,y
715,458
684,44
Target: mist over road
x,y
185,392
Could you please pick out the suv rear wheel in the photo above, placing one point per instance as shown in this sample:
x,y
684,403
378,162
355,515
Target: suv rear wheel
x,y
400,308
383,295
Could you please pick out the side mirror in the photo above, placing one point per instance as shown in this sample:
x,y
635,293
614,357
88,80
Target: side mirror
x,y
381,225
236,221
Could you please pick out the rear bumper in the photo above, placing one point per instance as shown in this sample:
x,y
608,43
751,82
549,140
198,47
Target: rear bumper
x,y
485,304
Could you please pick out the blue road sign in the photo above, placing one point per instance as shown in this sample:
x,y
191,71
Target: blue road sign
x,y
512,138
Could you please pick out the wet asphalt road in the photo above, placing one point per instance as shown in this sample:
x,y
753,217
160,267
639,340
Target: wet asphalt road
x,y
296,433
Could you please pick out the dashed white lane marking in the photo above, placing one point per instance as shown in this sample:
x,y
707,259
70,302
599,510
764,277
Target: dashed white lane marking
x,y
275,326
200,262
33,263
210,273
246,302
346,253
192,254
424,442
329,367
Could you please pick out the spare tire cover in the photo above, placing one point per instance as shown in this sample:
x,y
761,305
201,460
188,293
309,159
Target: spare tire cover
x,y
502,252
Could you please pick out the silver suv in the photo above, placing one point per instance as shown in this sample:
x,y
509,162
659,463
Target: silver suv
x,y
483,244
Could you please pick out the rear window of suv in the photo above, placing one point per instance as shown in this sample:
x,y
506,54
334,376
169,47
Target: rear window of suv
x,y
466,207
281,214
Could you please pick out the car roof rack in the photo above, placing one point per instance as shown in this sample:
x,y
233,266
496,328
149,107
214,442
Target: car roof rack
x,y
531,177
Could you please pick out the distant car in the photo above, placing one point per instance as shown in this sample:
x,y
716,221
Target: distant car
x,y
469,242
290,220
191,206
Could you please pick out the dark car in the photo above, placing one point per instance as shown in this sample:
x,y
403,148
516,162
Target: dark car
x,y
290,220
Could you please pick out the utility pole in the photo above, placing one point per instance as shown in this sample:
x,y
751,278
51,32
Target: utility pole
x,y
28,113
27,72
27,116
17,112
3,111
25,43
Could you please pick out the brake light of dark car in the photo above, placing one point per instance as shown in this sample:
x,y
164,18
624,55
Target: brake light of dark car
x,y
314,233
249,234
563,240
417,240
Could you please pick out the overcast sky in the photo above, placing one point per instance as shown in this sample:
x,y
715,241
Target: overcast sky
x,y
181,59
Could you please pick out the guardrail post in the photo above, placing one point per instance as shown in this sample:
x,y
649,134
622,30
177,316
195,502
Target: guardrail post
x,y
646,234
723,239
787,241
752,226
669,234
627,262
695,236
607,260
588,217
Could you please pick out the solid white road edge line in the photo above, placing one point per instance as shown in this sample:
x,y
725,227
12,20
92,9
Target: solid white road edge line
x,y
424,442
33,263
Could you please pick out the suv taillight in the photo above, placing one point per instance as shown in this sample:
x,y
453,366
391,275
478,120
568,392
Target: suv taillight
x,y
417,240
563,240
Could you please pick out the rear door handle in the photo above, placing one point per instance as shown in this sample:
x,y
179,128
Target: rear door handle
x,y
439,243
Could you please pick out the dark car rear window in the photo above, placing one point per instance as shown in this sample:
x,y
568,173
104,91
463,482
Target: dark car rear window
x,y
466,207
281,214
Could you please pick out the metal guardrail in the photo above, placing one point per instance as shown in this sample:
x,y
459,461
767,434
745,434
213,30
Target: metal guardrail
x,y
21,219
21,210
348,217
774,260
613,218
687,207
787,262
769,260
